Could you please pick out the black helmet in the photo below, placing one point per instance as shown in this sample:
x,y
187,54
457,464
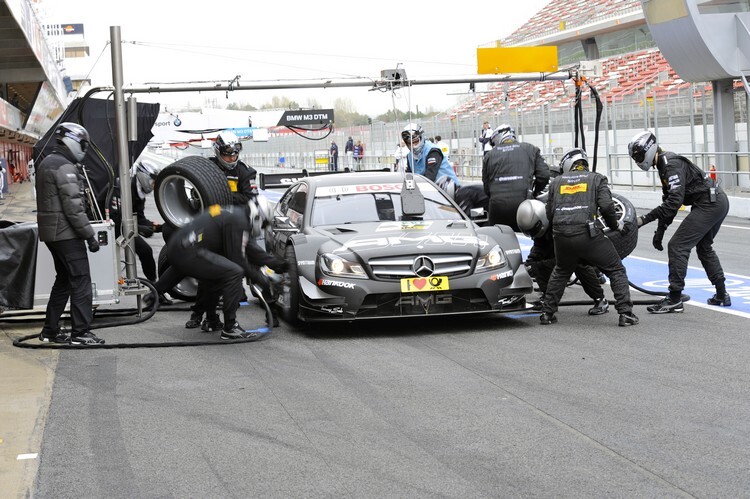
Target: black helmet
x,y
643,149
531,218
74,137
574,158
503,133
227,144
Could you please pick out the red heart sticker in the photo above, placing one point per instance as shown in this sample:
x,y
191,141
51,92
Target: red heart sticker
x,y
419,283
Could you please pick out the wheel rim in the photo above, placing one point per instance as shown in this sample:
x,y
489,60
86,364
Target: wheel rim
x,y
180,200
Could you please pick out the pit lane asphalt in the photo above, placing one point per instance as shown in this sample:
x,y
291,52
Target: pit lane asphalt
x,y
491,406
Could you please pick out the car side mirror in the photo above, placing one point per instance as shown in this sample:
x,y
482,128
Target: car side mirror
x,y
283,224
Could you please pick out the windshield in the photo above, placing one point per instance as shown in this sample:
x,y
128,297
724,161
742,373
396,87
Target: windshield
x,y
375,203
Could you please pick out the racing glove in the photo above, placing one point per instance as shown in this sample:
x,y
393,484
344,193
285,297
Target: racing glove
x,y
145,231
621,227
93,244
156,227
658,236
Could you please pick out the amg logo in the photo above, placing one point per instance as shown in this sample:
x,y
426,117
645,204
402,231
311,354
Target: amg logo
x,y
419,300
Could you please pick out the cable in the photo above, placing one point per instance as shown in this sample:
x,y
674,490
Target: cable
x,y
21,342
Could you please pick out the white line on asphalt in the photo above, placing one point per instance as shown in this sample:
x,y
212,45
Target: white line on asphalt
x,y
21,457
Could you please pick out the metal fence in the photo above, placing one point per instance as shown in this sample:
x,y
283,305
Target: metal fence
x,y
683,123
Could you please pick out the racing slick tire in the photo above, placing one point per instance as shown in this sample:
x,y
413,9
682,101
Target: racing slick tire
x,y
186,289
288,301
187,187
624,242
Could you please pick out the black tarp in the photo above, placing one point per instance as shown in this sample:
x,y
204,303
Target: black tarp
x,y
97,116
18,242
18,248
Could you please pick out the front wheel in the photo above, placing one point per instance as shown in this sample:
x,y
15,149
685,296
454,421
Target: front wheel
x,y
624,243
288,300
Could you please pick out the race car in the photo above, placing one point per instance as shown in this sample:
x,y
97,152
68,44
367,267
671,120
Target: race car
x,y
384,245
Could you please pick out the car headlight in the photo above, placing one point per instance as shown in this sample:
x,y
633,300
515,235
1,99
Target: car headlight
x,y
337,266
493,259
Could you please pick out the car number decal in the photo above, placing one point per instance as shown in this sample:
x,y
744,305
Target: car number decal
x,y
421,284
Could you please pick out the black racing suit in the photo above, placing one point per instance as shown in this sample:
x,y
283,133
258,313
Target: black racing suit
x,y
511,173
241,180
683,183
469,196
541,262
571,208
214,248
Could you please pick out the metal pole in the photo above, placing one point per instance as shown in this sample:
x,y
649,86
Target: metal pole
x,y
123,163
606,138
692,120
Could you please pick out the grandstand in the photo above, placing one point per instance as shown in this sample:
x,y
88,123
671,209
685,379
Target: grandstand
x,y
613,32
635,81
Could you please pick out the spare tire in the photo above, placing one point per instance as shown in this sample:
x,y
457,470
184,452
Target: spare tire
x,y
186,289
626,241
187,187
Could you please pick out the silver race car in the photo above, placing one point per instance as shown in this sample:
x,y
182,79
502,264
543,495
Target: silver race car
x,y
379,245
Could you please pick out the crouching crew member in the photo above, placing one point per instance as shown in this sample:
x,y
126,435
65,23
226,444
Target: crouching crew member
x,y
466,196
532,220
574,198
215,248
683,183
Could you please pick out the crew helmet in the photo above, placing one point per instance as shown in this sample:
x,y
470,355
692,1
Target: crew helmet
x,y
74,137
448,185
574,158
227,144
643,149
145,174
412,134
503,133
531,218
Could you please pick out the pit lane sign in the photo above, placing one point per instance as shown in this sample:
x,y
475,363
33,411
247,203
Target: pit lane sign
x,y
307,117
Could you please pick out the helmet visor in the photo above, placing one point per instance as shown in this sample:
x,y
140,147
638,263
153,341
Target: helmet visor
x,y
411,138
230,149
639,155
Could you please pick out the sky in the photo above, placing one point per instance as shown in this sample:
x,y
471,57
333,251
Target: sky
x,y
214,41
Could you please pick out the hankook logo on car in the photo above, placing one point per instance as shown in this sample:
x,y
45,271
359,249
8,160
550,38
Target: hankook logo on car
x,y
337,284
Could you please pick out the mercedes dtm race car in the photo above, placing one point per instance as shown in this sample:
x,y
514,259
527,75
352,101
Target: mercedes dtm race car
x,y
377,245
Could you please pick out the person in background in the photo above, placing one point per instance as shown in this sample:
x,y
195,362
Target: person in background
x,y
485,136
399,156
349,151
575,199
2,183
512,172
358,152
65,228
683,183
334,154
442,145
